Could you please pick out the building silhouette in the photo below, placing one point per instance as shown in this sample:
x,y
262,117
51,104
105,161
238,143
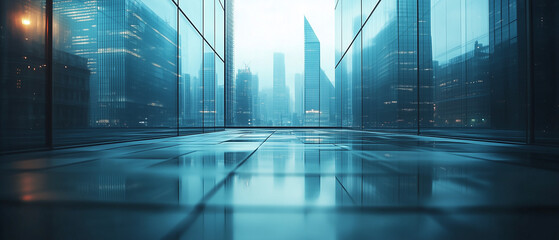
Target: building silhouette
x,y
244,94
281,96
312,77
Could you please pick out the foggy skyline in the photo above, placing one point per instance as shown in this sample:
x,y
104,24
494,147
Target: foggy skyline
x,y
264,27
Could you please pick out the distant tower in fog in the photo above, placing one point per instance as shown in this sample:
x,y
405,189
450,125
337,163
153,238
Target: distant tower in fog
x,y
281,101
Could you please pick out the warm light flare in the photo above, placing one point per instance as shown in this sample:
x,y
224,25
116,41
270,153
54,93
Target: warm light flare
x,y
25,21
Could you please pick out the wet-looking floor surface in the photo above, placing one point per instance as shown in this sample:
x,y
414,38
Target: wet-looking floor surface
x,y
283,184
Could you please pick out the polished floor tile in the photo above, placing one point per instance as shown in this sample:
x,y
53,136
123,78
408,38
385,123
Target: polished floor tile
x,y
283,184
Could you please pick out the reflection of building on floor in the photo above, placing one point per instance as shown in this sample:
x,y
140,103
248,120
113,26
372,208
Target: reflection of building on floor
x,y
250,182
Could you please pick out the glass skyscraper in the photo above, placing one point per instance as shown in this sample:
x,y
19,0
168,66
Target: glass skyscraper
x,y
281,114
435,67
121,70
312,77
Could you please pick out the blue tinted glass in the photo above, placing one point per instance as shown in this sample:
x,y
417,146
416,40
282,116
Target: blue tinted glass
x,y
194,11
22,78
115,70
219,95
219,30
209,88
476,86
209,21
191,82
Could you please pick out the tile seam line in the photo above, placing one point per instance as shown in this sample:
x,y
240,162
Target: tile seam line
x,y
187,222
345,190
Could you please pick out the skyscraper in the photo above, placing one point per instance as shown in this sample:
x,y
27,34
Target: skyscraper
x,y
229,63
312,77
244,94
118,65
281,101
255,100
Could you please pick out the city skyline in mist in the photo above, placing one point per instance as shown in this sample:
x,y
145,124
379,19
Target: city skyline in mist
x,y
265,28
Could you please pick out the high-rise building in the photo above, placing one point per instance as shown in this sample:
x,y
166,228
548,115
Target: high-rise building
x,y
266,97
229,63
256,116
244,94
118,66
312,77
281,101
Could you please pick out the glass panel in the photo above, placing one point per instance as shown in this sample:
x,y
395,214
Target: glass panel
x,y
426,83
351,20
22,75
220,83
356,84
380,68
327,101
219,30
193,10
477,91
114,70
546,72
367,8
209,21
338,32
209,88
191,82
339,99
351,86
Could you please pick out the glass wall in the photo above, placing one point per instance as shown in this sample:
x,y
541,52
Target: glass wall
x,y
22,75
121,70
546,72
477,91
190,81
445,67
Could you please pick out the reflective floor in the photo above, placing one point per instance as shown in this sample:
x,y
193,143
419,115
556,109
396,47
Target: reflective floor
x,y
283,184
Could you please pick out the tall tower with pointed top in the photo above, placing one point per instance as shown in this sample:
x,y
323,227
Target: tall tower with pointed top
x,y
312,77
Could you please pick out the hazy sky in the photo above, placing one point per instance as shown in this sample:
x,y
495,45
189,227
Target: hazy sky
x,y
263,27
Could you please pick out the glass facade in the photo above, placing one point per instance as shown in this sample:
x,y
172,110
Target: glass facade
x,y
23,75
450,68
121,70
79,72
545,71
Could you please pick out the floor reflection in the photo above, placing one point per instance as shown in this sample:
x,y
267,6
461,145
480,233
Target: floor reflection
x,y
283,184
